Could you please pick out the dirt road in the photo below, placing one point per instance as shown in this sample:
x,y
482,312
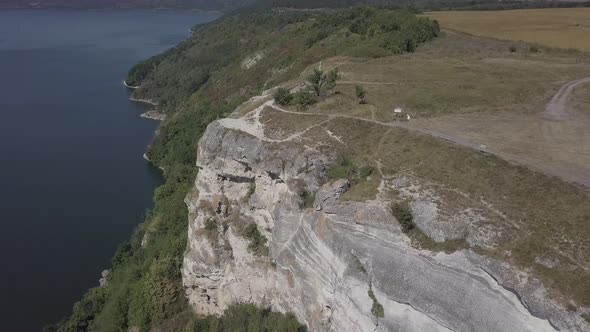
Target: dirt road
x,y
557,109
555,141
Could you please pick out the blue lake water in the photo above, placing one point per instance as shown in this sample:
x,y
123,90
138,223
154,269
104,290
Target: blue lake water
x,y
73,183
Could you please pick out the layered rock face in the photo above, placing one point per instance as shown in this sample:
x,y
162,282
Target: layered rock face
x,y
332,263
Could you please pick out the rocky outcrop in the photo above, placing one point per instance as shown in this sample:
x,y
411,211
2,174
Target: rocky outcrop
x,y
104,278
324,255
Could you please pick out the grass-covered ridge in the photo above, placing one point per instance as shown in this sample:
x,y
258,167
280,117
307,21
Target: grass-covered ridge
x,y
202,79
287,43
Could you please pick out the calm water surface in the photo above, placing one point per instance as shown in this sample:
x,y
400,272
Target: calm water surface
x,y
73,183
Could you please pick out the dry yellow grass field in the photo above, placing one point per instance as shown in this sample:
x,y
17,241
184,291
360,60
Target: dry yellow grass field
x,y
562,27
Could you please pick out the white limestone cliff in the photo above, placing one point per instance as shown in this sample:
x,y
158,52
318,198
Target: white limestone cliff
x,y
324,258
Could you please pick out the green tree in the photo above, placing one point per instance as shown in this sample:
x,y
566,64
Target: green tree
x,y
316,80
320,81
283,97
333,76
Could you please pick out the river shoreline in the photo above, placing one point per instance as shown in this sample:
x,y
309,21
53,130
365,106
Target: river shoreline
x,y
152,114
134,87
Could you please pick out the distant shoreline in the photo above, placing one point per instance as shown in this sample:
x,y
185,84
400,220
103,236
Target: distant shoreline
x,y
145,101
154,115
163,9
151,114
130,86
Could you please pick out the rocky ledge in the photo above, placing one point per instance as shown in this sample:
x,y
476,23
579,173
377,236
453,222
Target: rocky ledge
x,y
338,266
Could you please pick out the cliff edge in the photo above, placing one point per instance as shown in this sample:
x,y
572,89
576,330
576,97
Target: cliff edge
x,y
266,226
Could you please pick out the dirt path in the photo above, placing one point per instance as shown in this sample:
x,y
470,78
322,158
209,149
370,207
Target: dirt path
x,y
250,123
370,83
393,124
557,108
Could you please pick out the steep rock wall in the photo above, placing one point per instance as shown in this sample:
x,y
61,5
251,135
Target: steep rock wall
x,y
323,258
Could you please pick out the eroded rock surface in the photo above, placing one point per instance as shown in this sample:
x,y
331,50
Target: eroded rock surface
x,y
323,257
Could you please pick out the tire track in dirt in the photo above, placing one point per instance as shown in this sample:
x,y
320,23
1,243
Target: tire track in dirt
x,y
557,108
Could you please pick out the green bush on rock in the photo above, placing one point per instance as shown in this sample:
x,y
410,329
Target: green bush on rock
x,y
257,240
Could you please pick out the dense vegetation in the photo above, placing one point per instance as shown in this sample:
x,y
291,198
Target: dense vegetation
x,y
201,80
171,78
246,318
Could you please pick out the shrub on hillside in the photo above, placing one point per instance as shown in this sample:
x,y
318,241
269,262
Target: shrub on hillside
x,y
346,168
360,94
313,39
257,240
283,97
377,308
251,189
401,211
307,199
304,99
